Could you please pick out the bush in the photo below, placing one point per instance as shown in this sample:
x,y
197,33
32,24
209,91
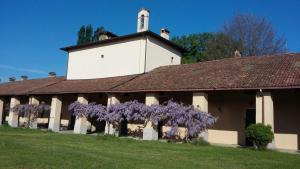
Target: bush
x,y
260,135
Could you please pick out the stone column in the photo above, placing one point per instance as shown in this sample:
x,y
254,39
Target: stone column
x,y
13,117
81,122
200,101
265,111
1,110
109,129
149,133
54,121
35,101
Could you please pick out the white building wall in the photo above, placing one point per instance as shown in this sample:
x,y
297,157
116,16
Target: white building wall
x,y
121,58
160,54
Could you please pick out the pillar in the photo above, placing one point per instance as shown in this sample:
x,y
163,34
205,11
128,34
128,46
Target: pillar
x,y
13,117
35,101
149,133
109,129
81,122
54,121
264,101
200,101
265,111
1,110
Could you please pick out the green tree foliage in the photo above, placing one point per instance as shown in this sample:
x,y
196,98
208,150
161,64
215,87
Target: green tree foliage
x,y
81,35
87,35
206,46
196,44
249,34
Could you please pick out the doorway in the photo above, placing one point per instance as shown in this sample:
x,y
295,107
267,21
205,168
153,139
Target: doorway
x,y
250,119
72,122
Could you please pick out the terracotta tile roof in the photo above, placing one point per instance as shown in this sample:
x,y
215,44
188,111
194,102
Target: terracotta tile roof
x,y
25,87
268,72
84,86
233,73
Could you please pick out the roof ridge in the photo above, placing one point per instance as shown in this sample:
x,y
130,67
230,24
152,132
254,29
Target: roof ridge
x,y
231,58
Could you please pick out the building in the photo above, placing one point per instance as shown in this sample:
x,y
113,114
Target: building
x,y
146,67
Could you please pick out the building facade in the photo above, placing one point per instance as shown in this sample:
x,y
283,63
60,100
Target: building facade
x,y
146,67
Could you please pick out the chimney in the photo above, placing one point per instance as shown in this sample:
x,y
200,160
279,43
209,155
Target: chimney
x,y
237,54
103,34
103,37
51,74
12,79
143,20
165,33
24,77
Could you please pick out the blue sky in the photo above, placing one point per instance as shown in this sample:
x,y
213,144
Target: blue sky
x,y
32,31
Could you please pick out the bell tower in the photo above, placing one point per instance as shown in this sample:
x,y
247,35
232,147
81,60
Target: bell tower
x,y
143,20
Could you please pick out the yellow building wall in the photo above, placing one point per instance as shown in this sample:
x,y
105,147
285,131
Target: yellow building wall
x,y
230,109
287,118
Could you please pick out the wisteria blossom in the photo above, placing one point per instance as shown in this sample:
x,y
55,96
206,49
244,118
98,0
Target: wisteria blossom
x,y
178,115
170,114
30,111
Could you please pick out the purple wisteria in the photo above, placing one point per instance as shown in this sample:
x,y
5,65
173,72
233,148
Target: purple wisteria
x,y
178,115
170,114
30,111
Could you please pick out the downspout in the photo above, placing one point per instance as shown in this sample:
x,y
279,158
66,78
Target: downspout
x,y
262,107
145,62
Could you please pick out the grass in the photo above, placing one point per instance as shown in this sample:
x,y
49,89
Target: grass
x,y
28,149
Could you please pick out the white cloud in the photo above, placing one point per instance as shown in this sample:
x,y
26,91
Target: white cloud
x,y
36,71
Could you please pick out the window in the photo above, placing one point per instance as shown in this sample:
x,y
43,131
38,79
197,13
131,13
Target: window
x,y
102,56
142,24
172,59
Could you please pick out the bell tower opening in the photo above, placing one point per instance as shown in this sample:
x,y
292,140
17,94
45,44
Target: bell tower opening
x,y
143,20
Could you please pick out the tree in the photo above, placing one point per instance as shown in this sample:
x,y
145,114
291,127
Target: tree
x,y
221,46
196,44
81,35
256,34
206,46
86,34
89,34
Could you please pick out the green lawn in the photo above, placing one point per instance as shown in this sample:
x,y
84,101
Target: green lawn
x,y
27,149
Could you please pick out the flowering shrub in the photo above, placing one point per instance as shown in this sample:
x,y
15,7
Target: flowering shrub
x,y
178,115
171,114
90,111
30,111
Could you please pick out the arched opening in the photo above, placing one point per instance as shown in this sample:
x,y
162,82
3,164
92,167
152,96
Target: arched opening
x,y
142,22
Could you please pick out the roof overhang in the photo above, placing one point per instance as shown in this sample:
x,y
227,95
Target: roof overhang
x,y
121,38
